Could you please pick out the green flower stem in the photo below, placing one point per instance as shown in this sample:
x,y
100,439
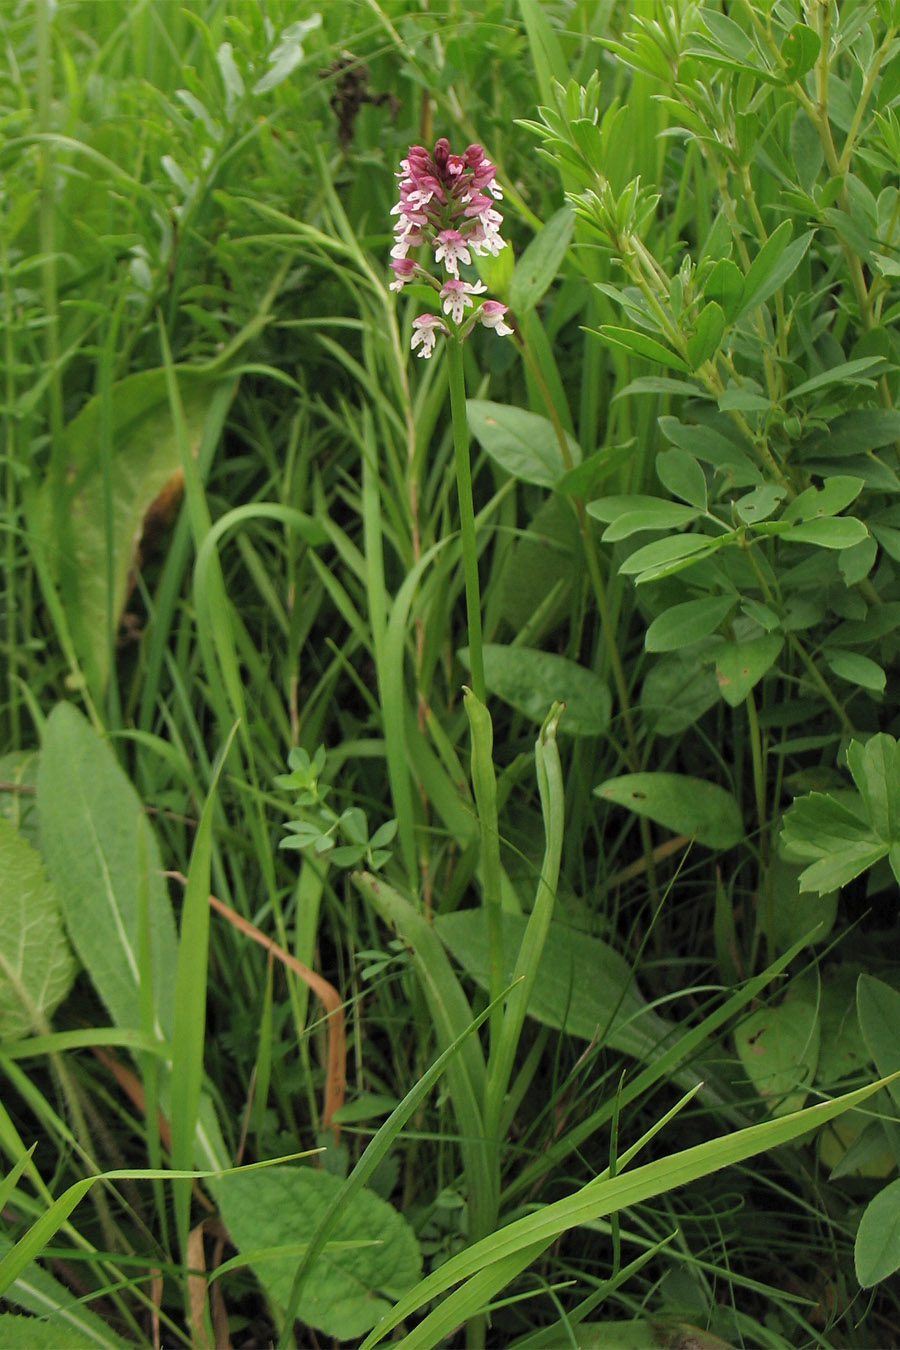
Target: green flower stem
x,y
607,627
466,513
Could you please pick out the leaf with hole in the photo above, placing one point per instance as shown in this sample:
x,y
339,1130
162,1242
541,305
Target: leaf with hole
x,y
702,811
741,665
779,1049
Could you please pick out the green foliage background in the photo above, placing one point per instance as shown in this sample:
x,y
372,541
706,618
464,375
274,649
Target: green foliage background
x,y
659,918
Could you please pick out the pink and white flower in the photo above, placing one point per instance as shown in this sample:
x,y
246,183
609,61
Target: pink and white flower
x,y
425,330
491,315
457,295
448,201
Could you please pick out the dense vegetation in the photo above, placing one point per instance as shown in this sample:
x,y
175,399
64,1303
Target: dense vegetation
x,y
481,769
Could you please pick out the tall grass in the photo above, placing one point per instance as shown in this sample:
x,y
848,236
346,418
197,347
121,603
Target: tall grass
x,y
232,531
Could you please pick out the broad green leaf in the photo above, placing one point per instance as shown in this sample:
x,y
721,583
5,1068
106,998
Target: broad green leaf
x,y
833,837
760,503
875,769
679,471
532,681
854,433
857,669
18,1332
667,555
270,1216
36,965
779,1049
629,515
712,447
806,150
683,624
776,261
878,1012
798,912
837,492
857,562
876,1252
676,694
706,338
583,985
56,1308
741,665
725,286
835,532
145,477
91,818
640,344
799,51
703,811
522,443
536,269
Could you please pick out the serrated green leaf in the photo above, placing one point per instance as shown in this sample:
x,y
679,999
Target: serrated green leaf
x,y
837,840
36,963
687,623
521,442
703,811
741,665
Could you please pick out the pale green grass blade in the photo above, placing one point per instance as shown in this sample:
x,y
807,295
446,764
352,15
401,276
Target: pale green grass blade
x,y
600,1198
375,1151
189,1023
